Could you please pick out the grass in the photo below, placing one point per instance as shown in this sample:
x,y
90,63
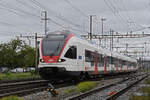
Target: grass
x,y
13,76
145,90
12,98
70,91
148,81
86,86
139,98
82,87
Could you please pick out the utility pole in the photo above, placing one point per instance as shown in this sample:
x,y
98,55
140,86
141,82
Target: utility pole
x,y
112,40
45,20
36,51
142,60
145,46
90,27
126,48
103,19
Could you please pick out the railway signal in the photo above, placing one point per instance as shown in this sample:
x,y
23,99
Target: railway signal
x,y
52,90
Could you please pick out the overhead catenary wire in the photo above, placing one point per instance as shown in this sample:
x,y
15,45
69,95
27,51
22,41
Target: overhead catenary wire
x,y
56,15
53,21
19,10
18,13
115,12
23,3
128,16
77,9
122,18
21,14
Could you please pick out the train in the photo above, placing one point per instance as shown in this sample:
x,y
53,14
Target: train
x,y
67,55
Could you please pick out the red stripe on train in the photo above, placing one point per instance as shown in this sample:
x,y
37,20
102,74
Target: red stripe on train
x,y
54,59
105,65
116,69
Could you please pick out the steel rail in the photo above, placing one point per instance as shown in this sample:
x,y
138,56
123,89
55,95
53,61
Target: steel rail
x,y
124,90
86,94
22,87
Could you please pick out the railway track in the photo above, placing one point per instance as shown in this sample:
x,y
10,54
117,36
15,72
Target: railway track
x,y
112,90
29,86
22,87
123,90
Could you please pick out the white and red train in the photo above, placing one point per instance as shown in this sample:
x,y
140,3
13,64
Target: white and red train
x,y
63,54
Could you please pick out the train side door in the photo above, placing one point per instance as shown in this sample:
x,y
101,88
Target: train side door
x,y
96,63
80,57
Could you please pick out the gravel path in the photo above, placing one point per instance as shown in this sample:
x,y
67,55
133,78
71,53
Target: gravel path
x,y
62,96
134,91
103,95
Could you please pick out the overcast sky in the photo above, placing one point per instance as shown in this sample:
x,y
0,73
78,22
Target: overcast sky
x,y
24,16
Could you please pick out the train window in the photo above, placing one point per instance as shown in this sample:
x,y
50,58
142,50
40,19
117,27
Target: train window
x,y
120,63
112,60
103,58
89,56
135,65
108,61
117,62
100,63
129,64
123,62
71,53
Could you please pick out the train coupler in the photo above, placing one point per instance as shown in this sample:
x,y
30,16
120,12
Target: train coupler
x,y
52,90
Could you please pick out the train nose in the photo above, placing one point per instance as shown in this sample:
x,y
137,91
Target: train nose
x,y
52,72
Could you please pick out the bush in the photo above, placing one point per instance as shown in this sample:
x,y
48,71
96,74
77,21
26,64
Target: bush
x,y
139,98
86,86
8,73
70,91
12,98
146,89
148,81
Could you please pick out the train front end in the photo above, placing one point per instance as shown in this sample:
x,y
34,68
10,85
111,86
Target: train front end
x,y
51,62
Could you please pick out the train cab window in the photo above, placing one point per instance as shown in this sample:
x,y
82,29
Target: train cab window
x,y
71,53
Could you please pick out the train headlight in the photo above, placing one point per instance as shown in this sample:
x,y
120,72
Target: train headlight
x,y
59,60
41,60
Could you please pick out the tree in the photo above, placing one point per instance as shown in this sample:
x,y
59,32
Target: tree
x,y
16,53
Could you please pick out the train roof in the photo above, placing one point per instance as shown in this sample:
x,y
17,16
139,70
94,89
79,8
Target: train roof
x,y
93,45
107,52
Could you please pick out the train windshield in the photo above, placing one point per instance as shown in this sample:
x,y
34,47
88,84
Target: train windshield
x,y
52,44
